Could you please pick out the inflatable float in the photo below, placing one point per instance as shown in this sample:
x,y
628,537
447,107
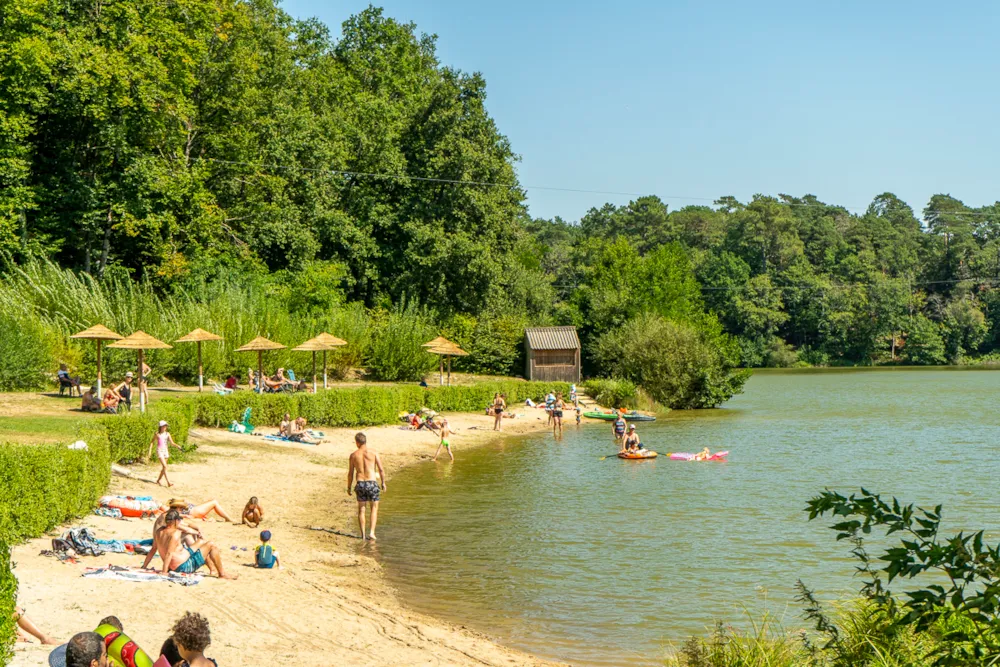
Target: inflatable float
x,y
684,456
122,651
129,506
637,456
611,416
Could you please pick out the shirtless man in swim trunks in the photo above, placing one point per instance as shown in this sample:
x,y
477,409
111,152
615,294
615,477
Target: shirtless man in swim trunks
x,y
364,464
178,557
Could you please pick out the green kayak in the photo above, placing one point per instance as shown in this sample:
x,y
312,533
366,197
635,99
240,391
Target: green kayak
x,y
629,416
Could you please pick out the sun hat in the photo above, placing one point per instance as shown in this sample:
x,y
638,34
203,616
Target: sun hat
x,y
631,427
130,374
177,502
163,422
265,535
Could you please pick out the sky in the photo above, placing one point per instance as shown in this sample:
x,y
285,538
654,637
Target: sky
x,y
691,101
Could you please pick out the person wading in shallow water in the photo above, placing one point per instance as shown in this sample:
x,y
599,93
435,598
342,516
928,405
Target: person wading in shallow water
x,y
364,464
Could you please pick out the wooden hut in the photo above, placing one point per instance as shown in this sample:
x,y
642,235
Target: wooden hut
x,y
552,354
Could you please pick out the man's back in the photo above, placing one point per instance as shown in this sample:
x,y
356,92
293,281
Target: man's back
x,y
364,463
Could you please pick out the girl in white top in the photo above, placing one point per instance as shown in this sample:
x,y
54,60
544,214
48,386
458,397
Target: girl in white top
x,y
162,440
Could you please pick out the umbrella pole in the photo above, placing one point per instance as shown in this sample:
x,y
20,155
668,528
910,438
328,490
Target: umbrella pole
x,y
314,371
260,372
100,396
449,370
201,379
142,394
324,369
440,370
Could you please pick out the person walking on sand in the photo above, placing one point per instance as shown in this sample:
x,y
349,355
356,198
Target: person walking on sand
x,y
163,441
364,464
499,405
557,414
445,433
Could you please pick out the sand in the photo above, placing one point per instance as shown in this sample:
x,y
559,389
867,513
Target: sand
x,y
330,604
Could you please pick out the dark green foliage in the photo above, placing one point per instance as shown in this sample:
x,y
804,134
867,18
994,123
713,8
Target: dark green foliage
x,y
396,353
612,393
476,397
959,604
26,352
679,365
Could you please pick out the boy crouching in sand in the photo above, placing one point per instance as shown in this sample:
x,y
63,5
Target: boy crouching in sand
x,y
264,555
253,513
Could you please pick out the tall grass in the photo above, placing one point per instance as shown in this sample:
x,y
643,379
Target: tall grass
x,y
41,305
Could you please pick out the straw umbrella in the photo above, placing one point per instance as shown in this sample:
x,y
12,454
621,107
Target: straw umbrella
x,y
199,336
98,333
450,350
437,342
333,342
140,341
260,345
313,345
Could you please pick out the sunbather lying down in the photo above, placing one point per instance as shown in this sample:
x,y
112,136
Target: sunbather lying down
x,y
201,511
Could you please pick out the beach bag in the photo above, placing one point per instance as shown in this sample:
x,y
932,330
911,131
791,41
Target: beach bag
x,y
83,542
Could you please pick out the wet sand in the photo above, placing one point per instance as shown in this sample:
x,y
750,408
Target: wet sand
x,y
330,604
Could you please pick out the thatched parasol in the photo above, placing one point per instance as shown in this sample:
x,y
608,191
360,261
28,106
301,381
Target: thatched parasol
x,y
437,342
313,345
333,342
140,341
98,333
199,336
260,345
449,350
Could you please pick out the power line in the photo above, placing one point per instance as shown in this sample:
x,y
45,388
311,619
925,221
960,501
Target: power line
x,y
546,188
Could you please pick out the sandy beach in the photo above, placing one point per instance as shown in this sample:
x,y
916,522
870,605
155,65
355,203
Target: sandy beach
x,y
329,605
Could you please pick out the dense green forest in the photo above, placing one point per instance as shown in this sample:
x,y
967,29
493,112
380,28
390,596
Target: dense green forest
x,y
221,164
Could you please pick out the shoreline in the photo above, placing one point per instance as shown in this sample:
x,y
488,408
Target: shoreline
x,y
331,602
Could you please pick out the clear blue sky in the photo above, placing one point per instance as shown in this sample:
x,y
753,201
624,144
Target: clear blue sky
x,y
843,100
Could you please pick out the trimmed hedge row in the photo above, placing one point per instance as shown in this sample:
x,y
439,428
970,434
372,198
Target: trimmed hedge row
x,y
362,406
42,486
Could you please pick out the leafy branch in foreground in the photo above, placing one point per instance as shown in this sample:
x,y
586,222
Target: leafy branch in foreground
x,y
965,612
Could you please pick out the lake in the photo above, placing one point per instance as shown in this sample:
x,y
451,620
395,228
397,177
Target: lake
x,y
541,545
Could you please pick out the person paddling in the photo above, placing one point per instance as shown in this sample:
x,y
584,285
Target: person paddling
x,y
632,440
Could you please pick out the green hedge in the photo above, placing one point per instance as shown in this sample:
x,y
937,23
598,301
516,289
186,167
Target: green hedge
x,y
362,406
42,486
612,393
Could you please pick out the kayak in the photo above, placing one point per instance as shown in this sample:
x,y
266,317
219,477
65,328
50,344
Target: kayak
x,y
643,455
611,416
684,456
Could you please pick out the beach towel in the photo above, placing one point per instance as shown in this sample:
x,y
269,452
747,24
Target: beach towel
x,y
141,576
126,546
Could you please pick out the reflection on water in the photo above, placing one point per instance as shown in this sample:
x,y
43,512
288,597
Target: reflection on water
x,y
537,542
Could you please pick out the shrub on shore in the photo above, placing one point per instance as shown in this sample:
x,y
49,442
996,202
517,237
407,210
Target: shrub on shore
x,y
362,406
612,393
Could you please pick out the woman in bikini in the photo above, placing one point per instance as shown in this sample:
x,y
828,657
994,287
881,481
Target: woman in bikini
x,y
499,405
163,441
557,414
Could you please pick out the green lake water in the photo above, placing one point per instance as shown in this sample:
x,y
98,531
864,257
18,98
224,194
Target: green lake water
x,y
537,543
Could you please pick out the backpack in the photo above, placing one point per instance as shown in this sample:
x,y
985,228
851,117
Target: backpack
x,y
265,556
83,542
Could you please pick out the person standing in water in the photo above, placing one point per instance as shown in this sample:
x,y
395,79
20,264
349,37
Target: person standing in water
x,y
445,434
163,441
557,414
364,464
618,428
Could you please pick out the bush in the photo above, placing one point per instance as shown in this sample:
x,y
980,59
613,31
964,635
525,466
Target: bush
x,y
612,393
26,359
129,433
362,406
396,353
678,365
924,344
42,486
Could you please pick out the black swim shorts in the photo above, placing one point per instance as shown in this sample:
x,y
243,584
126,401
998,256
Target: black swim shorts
x,y
367,491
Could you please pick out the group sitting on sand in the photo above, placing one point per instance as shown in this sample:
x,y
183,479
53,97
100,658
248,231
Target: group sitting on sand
x,y
189,638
